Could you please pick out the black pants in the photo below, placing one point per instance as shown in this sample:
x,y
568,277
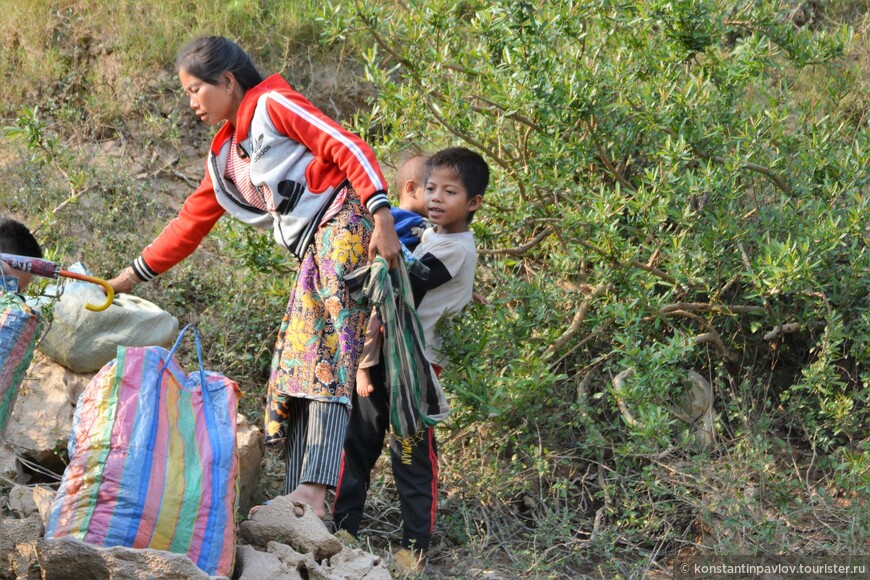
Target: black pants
x,y
414,461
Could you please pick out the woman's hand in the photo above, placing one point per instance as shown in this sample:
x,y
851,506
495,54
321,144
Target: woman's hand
x,y
385,242
125,281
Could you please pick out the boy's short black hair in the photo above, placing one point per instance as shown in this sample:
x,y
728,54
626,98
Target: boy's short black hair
x,y
469,167
15,238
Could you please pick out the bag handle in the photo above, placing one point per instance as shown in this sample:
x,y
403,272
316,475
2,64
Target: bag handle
x,y
190,326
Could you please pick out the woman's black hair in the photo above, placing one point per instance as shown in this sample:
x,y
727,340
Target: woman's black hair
x,y
209,57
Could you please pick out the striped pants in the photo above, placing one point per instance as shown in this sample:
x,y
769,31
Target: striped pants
x,y
315,437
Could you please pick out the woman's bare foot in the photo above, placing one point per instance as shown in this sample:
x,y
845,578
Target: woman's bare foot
x,y
311,494
314,494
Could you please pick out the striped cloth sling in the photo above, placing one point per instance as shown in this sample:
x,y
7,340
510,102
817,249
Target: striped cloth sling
x,y
415,395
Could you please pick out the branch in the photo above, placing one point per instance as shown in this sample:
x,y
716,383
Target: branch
x,y
583,387
782,329
461,69
655,271
712,336
522,119
586,339
618,382
766,171
602,155
519,250
684,313
577,322
705,307
651,269
383,43
74,195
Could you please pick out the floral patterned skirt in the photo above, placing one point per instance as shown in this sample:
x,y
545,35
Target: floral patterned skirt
x,y
322,334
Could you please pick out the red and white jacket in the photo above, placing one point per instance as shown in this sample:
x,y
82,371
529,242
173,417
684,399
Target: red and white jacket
x,y
300,154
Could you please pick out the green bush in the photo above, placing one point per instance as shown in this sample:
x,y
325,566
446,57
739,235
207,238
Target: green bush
x,y
678,186
671,194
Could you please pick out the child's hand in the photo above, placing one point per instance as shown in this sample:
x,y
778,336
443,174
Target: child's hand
x,y
478,298
364,385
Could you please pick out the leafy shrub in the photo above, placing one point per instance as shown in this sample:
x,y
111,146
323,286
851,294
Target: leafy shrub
x,y
678,186
665,200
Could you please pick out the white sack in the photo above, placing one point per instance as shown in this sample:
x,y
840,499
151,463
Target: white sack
x,y
83,341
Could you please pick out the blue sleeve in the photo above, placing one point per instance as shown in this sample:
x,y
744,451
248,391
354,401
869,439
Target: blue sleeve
x,y
408,224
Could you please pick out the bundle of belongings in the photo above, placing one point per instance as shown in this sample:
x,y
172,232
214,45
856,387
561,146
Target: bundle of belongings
x,y
152,450
83,340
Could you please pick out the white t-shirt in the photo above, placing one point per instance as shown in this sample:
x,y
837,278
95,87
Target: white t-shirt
x,y
452,260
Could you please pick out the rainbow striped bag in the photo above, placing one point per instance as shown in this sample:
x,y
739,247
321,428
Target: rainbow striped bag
x,y
153,460
20,326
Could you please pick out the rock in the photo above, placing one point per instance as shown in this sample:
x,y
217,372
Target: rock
x,y
249,444
43,497
278,522
20,501
700,405
251,564
304,564
485,574
18,547
9,467
41,420
281,562
356,564
70,558
67,558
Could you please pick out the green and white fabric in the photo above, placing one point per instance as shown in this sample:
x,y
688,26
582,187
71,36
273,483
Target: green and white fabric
x,y
416,397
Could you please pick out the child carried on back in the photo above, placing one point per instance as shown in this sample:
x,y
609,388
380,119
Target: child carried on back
x,y
20,325
410,220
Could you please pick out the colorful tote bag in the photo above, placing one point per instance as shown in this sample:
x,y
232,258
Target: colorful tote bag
x,y
153,460
19,330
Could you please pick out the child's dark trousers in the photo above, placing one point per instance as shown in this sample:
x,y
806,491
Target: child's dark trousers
x,y
414,462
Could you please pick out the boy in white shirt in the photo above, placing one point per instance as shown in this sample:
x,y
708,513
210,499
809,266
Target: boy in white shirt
x,y
455,181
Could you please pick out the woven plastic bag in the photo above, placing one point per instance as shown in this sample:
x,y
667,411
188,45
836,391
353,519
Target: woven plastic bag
x,y
20,326
153,460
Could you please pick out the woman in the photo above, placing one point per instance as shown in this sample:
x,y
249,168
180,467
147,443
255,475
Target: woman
x,y
279,162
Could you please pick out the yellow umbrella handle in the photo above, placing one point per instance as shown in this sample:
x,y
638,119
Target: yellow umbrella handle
x,y
110,292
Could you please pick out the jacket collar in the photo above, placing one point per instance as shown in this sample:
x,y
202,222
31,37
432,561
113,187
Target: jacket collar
x,y
246,111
